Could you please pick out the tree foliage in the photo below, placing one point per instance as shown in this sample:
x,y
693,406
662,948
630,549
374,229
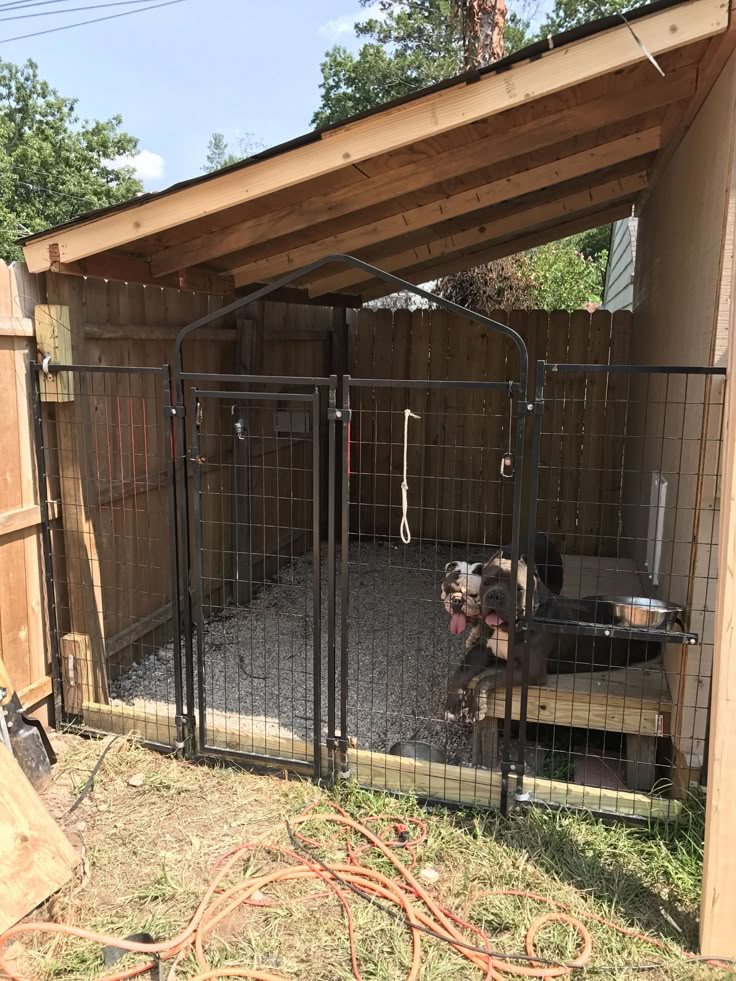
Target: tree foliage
x,y
415,43
54,166
220,155
556,276
566,14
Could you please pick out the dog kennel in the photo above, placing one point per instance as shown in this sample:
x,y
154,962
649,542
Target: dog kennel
x,y
296,526
225,562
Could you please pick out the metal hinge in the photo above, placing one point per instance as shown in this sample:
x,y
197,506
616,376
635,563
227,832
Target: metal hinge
x,y
174,410
339,415
513,768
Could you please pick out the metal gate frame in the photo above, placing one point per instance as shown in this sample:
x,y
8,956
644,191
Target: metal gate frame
x,y
193,626
337,734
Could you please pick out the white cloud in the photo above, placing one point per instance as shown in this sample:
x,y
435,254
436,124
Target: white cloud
x,y
148,166
338,27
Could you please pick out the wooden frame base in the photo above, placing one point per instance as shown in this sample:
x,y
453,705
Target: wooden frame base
x,y
465,785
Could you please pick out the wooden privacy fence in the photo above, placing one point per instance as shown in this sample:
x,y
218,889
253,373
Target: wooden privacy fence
x,y
455,449
23,645
107,451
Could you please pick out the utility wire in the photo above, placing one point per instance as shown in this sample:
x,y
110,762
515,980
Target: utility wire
x,y
95,20
72,10
21,4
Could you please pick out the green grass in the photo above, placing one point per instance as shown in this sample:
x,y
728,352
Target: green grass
x,y
150,851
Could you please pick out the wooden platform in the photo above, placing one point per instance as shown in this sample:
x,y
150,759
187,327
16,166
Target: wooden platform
x,y
635,701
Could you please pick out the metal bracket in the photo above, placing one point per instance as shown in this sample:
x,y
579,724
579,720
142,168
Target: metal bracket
x,y
512,768
339,415
174,410
185,723
526,408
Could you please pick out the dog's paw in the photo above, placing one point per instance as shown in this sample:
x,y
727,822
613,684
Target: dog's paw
x,y
454,707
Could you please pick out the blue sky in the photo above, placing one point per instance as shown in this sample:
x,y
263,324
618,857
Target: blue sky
x,y
181,72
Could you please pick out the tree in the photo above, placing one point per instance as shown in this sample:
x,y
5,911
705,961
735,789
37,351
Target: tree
x,y
54,166
556,276
415,43
219,155
566,14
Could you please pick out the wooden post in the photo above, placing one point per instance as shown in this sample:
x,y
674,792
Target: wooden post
x,y
718,905
83,649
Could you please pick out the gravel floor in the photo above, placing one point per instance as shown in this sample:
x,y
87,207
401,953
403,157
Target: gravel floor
x,y
258,660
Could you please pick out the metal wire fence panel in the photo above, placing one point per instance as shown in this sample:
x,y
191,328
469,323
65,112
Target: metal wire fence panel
x,y
424,489
105,455
623,707
257,516
317,590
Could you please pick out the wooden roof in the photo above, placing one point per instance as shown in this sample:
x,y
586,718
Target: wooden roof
x,y
559,138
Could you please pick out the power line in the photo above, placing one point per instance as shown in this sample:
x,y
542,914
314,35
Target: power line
x,y
95,20
72,10
19,4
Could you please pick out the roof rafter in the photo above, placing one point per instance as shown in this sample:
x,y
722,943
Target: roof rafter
x,y
514,222
426,271
516,185
534,134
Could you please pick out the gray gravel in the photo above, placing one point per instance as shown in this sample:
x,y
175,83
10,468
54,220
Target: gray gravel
x,y
258,660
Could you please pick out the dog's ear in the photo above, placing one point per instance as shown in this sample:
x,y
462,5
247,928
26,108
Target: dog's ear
x,y
451,566
476,569
494,559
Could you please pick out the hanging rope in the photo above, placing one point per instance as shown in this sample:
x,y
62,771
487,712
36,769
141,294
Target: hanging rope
x,y
405,533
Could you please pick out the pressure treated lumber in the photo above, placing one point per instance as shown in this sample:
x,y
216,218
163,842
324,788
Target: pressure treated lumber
x,y
35,856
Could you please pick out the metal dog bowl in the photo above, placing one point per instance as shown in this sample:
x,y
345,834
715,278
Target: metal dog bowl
x,y
642,612
418,751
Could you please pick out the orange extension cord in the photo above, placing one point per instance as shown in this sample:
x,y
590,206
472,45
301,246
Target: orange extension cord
x,y
404,892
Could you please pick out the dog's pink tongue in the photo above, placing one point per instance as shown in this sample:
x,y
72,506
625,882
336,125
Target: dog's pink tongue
x,y
494,620
457,623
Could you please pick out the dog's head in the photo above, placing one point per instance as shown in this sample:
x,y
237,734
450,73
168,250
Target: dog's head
x,y
461,593
501,603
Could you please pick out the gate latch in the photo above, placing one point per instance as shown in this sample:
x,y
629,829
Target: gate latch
x,y
507,465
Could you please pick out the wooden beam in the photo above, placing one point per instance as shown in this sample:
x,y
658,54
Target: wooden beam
x,y
20,519
84,575
16,327
142,332
35,854
594,110
616,189
719,51
446,266
535,179
33,694
291,294
126,269
438,112
462,784
718,901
